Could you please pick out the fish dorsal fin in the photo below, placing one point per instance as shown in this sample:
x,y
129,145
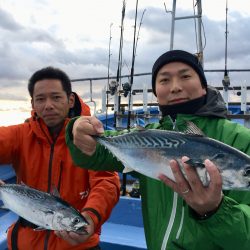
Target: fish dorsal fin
x,y
55,192
39,229
127,170
192,129
139,127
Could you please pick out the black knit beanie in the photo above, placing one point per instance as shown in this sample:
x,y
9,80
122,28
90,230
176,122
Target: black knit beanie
x,y
178,56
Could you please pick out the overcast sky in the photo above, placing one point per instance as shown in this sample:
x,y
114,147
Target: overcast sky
x,y
74,36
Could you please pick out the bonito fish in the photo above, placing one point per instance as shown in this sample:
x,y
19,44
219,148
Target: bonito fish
x,y
149,152
45,210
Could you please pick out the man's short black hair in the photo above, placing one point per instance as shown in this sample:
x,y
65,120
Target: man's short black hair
x,y
50,73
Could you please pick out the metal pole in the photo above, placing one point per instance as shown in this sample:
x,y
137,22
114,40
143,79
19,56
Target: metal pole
x,y
200,46
172,25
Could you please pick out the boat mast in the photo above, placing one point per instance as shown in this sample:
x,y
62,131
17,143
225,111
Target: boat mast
x,y
226,80
199,20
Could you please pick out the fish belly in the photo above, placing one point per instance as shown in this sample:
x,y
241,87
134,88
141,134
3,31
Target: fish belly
x,y
146,162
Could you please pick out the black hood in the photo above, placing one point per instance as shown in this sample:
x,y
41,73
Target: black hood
x,y
214,105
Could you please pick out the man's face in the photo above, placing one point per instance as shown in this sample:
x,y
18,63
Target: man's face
x,y
50,101
177,82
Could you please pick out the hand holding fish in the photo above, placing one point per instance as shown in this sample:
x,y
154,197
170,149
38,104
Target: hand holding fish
x,y
83,130
200,198
75,238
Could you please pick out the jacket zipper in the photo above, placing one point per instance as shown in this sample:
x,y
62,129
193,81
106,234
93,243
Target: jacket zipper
x,y
174,208
173,121
52,146
50,165
60,177
46,241
181,223
171,222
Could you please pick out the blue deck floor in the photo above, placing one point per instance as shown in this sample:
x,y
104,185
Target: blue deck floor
x,y
124,229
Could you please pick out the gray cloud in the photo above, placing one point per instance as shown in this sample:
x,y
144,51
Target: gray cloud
x,y
24,50
8,22
14,97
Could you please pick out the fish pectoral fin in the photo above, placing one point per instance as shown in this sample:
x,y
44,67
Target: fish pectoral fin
x,y
39,229
195,163
218,156
55,192
48,212
127,170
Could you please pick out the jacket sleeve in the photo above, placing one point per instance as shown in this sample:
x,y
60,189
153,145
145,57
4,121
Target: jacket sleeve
x,y
104,194
102,159
85,109
9,143
229,227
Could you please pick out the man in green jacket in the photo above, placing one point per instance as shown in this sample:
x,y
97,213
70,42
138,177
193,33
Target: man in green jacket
x,y
182,214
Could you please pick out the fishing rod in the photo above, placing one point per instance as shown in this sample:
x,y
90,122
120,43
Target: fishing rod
x,y
107,101
121,44
118,83
127,86
139,30
132,68
124,175
226,79
119,67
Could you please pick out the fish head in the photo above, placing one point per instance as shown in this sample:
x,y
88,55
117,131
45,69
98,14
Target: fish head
x,y
246,174
236,178
71,220
246,171
78,224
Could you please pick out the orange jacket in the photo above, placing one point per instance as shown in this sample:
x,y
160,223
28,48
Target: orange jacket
x,y
43,164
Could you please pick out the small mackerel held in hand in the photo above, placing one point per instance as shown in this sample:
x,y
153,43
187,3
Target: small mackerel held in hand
x,y
149,151
45,210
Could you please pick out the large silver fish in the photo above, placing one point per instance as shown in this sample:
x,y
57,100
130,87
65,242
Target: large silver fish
x,y
149,152
45,210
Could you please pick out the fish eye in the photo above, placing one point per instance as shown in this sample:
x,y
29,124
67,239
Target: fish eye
x,y
76,220
246,171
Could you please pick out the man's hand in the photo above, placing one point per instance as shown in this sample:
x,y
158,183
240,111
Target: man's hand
x,y
1,182
74,238
201,199
83,130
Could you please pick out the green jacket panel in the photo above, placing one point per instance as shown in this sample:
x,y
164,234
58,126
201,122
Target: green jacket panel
x,y
168,221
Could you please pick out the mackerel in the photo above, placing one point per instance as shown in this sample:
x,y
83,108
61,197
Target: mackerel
x,y
149,151
45,210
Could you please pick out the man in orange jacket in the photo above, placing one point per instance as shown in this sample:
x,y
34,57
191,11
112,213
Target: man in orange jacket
x,y
41,159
